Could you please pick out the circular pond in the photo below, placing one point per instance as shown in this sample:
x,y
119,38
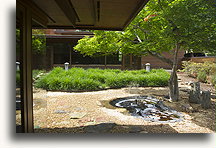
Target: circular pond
x,y
148,108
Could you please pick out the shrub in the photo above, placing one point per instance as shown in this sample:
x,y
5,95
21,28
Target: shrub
x,y
37,74
213,80
202,77
199,70
119,80
96,79
191,67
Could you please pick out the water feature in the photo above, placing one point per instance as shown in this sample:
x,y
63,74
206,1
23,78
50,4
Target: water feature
x,y
148,108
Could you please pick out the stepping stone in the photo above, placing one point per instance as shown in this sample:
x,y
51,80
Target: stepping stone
x,y
60,112
143,132
77,115
78,109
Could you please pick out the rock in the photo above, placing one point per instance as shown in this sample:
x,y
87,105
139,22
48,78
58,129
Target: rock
x,y
194,95
187,108
98,103
143,132
78,109
161,106
206,99
77,115
166,96
189,83
60,112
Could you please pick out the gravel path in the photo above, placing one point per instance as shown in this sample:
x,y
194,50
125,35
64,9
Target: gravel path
x,y
89,112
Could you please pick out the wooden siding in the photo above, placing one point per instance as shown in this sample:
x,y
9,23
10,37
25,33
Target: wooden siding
x,y
157,63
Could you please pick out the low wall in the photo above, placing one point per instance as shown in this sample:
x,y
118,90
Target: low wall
x,y
202,59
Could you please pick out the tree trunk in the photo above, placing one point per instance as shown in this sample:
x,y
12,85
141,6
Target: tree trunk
x,y
173,81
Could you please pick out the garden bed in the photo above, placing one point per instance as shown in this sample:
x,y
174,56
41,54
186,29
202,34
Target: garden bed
x,y
89,112
78,79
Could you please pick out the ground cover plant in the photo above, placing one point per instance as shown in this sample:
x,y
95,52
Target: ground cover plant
x,y
76,79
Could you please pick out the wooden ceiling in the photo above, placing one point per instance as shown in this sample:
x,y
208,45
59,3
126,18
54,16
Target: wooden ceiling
x,y
90,14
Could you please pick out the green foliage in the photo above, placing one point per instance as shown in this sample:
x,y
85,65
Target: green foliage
x,y
193,68
38,41
103,42
96,79
36,74
158,27
202,77
213,80
201,71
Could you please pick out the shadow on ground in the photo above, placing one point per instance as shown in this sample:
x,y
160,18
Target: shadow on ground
x,y
205,118
111,128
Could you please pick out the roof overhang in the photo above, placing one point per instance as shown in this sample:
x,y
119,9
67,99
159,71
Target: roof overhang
x,y
89,14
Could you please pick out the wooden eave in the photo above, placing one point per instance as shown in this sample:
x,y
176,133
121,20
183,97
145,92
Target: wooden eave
x,y
89,14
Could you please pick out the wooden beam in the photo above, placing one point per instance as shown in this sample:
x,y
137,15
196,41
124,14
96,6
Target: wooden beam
x,y
37,14
69,11
138,8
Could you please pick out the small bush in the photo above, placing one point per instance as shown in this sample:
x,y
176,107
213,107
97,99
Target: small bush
x,y
202,77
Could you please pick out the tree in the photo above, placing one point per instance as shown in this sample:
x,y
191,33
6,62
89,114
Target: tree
x,y
164,25
38,41
103,42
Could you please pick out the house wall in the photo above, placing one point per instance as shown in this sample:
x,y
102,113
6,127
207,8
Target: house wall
x,y
45,61
157,63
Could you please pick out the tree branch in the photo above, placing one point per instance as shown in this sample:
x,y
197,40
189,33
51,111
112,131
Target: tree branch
x,y
162,58
159,56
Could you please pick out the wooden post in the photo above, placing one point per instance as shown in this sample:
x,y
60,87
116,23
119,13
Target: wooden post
x,y
70,48
26,72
